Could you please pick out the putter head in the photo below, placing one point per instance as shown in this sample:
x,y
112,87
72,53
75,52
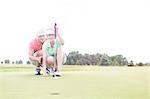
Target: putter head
x,y
54,76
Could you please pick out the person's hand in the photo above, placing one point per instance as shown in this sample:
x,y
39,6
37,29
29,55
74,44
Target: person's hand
x,y
57,32
39,59
44,71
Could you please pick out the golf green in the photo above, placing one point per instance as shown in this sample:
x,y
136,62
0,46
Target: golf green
x,y
77,82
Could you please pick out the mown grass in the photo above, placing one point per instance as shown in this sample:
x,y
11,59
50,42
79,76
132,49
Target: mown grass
x,y
77,82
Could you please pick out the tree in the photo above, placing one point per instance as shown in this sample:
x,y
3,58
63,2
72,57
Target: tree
x,y
75,58
140,64
131,63
13,62
20,62
72,58
118,60
87,59
105,60
28,62
7,61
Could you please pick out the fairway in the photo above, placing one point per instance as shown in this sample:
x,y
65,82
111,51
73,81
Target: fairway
x,y
77,82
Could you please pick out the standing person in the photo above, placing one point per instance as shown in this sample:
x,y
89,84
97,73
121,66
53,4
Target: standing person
x,y
35,50
52,51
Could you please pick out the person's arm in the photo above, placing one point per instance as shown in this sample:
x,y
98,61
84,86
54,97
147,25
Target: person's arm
x,y
44,59
44,62
60,39
34,58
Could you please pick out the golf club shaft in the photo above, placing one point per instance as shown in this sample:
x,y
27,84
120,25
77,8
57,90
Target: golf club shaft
x,y
55,56
55,28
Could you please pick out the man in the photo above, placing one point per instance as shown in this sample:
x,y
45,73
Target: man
x,y
52,52
35,50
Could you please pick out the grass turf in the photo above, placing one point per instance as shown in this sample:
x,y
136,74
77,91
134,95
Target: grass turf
x,y
77,82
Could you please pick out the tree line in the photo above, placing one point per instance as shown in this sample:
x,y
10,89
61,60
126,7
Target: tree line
x,y
76,58
8,61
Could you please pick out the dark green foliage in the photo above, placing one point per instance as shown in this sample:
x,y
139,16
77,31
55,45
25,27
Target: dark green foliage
x,y
131,64
140,64
19,61
13,62
7,61
28,62
75,58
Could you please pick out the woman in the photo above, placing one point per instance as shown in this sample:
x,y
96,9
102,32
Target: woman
x,y
52,52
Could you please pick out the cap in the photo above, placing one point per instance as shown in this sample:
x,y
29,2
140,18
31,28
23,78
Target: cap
x,y
41,32
49,31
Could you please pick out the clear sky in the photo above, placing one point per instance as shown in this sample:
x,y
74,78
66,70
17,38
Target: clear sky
x,y
89,26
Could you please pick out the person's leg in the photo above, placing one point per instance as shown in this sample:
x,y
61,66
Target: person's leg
x,y
39,54
37,63
37,69
50,60
51,65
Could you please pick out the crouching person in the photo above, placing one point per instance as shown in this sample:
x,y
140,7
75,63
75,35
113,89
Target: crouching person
x,y
52,52
35,51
